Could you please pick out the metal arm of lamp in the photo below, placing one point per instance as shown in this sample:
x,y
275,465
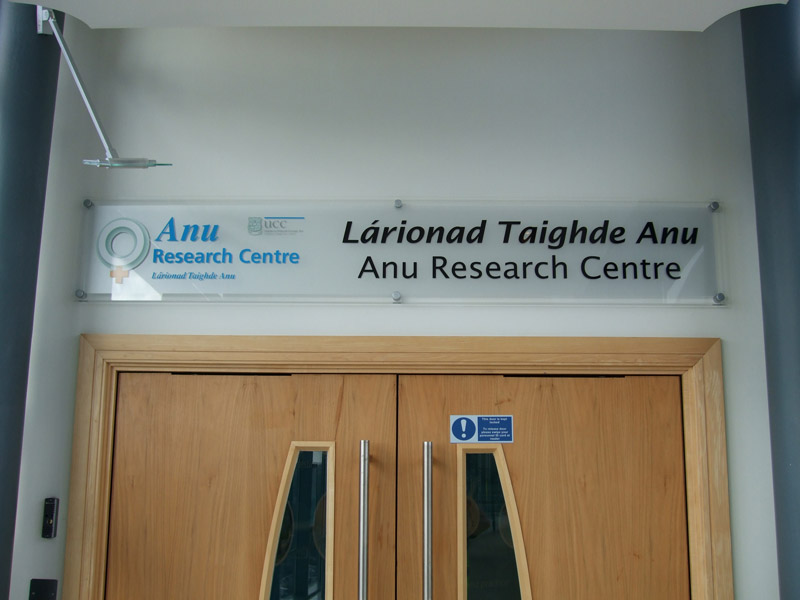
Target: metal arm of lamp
x,y
112,159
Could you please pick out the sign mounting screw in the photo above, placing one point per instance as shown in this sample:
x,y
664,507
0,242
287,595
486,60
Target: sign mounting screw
x,y
398,203
719,298
713,206
397,297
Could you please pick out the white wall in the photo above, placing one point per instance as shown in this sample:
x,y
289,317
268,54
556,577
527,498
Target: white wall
x,y
413,114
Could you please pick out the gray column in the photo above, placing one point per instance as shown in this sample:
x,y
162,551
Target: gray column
x,y
28,77
771,40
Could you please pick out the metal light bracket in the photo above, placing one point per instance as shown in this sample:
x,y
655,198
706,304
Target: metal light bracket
x,y
112,159
42,15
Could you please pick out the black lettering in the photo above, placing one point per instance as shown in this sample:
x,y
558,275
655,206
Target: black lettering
x,y
368,268
346,238
584,266
577,231
387,231
492,270
633,267
527,235
415,234
557,237
507,232
475,267
458,269
437,233
667,233
648,233
687,238
413,273
389,265
455,235
559,264
438,265
370,234
477,233
599,234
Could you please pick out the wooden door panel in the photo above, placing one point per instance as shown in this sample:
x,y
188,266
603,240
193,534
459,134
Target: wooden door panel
x,y
368,413
596,468
197,466
424,406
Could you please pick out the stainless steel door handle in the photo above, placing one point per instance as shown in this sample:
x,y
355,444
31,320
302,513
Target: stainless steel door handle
x,y
427,529
363,520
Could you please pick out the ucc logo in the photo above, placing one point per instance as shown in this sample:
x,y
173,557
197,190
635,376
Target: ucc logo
x,y
274,225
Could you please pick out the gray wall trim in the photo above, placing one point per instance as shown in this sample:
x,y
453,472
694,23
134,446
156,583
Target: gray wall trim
x,y
771,42
28,77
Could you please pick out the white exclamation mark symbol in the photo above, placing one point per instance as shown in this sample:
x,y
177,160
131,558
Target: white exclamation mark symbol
x,y
463,428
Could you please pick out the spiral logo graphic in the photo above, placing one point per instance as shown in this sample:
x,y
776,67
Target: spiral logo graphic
x,y
122,245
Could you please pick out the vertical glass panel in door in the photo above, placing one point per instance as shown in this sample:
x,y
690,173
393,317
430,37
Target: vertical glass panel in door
x,y
299,572
491,563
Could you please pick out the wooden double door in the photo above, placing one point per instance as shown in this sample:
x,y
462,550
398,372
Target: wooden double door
x,y
245,487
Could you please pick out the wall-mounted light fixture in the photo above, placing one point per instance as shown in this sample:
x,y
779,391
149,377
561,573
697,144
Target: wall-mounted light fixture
x,y
112,159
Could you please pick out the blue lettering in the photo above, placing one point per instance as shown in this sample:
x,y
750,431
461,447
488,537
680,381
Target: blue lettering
x,y
249,257
191,233
169,229
221,257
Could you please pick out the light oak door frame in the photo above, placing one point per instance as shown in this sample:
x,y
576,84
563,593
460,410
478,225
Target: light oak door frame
x,y
697,361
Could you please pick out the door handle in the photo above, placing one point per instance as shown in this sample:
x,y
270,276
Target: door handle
x,y
363,520
427,529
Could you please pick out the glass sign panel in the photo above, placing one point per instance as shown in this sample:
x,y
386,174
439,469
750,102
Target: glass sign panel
x,y
359,251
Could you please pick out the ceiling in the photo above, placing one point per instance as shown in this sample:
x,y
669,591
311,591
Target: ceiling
x,y
664,15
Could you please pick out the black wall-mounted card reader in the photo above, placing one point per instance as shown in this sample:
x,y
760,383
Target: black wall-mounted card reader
x,y
50,519
43,589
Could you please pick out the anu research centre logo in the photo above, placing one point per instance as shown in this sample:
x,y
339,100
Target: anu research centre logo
x,y
122,245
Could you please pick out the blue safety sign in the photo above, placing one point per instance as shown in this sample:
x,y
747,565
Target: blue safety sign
x,y
481,429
